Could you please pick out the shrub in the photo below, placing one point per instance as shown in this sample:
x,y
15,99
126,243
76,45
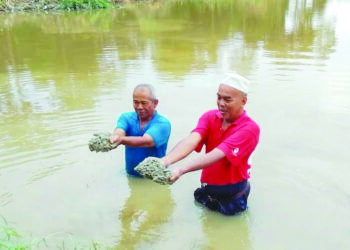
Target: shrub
x,y
83,4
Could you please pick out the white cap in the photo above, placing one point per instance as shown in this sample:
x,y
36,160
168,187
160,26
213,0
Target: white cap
x,y
236,81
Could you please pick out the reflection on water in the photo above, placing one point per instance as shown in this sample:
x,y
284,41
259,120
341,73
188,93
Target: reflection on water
x,y
148,207
64,76
193,31
222,232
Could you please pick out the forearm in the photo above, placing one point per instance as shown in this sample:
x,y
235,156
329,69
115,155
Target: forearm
x,y
182,149
119,137
202,161
118,133
137,141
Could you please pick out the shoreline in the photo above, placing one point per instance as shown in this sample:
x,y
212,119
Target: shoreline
x,y
28,6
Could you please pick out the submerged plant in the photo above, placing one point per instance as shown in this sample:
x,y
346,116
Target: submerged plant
x,y
154,169
100,142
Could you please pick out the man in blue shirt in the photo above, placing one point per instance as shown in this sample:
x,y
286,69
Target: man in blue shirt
x,y
143,132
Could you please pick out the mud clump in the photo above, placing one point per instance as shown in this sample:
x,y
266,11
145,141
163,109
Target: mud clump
x,y
154,169
100,142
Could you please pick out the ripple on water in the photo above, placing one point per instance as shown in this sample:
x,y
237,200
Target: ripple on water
x,y
42,152
5,198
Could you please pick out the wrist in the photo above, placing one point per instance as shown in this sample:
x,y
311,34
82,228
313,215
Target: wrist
x,y
165,161
121,140
181,170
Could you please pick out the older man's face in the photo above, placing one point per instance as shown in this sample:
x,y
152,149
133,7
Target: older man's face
x,y
230,102
143,104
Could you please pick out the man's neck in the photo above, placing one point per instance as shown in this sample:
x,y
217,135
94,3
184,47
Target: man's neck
x,y
227,122
143,122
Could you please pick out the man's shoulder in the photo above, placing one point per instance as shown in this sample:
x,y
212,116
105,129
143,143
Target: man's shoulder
x,y
161,119
251,122
129,115
211,112
250,125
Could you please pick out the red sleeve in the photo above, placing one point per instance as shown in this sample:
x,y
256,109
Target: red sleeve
x,y
239,145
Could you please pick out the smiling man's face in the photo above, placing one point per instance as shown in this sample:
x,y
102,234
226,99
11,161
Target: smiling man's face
x,y
230,102
144,105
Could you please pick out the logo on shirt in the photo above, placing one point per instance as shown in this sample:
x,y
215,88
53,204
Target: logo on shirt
x,y
235,151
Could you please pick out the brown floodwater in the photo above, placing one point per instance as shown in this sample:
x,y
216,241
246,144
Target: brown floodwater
x,y
65,76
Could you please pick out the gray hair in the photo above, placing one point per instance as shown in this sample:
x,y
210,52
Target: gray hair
x,y
150,89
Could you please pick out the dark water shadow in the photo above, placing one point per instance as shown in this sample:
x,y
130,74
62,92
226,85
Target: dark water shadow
x,y
148,207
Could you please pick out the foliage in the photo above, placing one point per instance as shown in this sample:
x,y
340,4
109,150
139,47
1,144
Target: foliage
x,y
10,239
83,4
30,5
25,5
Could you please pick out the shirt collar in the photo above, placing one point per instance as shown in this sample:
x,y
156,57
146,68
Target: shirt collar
x,y
237,121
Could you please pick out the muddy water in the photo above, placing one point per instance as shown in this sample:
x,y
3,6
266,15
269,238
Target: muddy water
x,y
65,76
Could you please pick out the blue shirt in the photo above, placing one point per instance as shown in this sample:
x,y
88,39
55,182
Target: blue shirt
x,y
158,128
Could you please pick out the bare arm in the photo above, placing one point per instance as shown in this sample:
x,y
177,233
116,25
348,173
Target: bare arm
x,y
201,162
116,136
182,149
119,137
144,141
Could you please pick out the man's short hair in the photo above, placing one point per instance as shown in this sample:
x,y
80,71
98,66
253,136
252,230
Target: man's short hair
x,y
149,87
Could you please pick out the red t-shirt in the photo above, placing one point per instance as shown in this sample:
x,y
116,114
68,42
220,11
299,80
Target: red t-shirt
x,y
238,142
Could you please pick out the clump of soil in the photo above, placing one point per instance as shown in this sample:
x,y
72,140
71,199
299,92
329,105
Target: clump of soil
x,y
100,142
154,169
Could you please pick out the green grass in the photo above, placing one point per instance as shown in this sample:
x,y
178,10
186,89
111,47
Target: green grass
x,y
10,239
66,5
83,4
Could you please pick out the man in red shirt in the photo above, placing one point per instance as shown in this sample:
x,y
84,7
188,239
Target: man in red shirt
x,y
230,137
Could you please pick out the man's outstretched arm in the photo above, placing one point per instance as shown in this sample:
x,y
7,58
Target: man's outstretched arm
x,y
201,162
182,149
119,137
116,136
144,141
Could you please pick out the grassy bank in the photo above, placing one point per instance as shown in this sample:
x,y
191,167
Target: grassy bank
x,y
47,5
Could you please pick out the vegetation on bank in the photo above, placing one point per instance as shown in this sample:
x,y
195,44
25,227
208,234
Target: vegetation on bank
x,y
46,5
11,239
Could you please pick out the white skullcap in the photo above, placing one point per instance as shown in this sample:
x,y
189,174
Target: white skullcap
x,y
236,81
